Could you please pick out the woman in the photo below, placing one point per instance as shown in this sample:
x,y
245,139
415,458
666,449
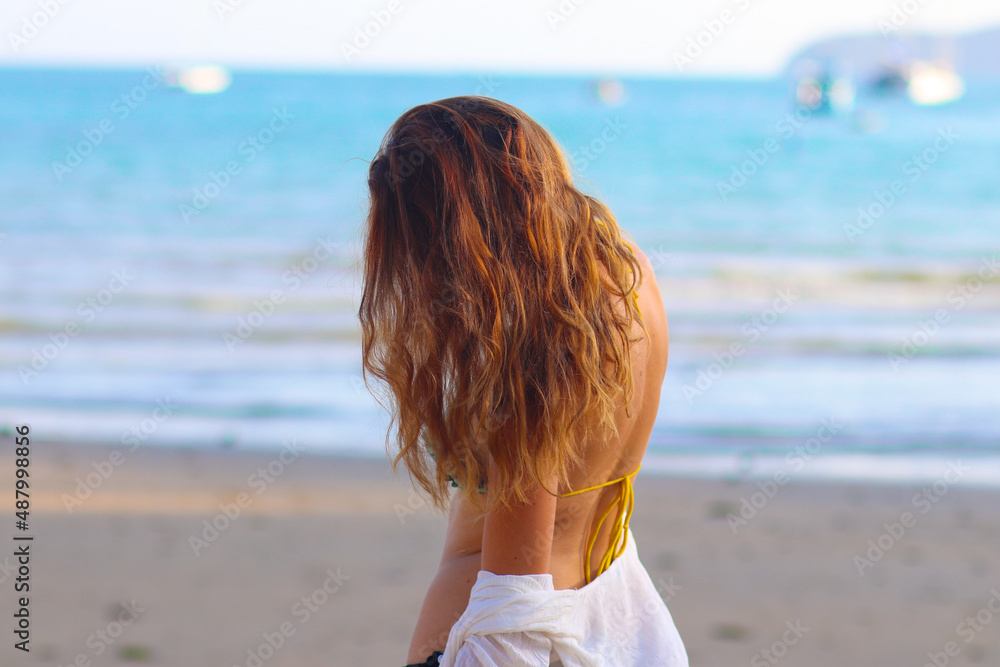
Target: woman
x,y
524,356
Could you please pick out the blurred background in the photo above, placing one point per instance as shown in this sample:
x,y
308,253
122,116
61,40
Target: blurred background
x,y
182,192
215,153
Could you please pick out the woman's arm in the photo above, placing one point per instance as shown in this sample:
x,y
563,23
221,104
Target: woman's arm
x,y
519,542
448,594
518,539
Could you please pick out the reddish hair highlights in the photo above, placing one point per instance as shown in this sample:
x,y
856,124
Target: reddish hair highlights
x,y
494,302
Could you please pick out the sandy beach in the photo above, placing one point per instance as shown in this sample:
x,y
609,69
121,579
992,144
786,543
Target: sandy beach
x,y
183,557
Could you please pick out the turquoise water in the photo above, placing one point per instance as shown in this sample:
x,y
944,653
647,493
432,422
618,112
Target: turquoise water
x,y
850,260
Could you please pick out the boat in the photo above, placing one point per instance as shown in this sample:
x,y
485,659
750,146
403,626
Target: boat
x,y
609,92
199,79
933,83
822,91
923,83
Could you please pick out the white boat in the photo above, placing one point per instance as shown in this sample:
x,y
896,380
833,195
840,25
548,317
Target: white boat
x,y
823,90
609,92
199,79
933,83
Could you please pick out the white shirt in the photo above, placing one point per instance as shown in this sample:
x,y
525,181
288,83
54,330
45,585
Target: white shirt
x,y
616,620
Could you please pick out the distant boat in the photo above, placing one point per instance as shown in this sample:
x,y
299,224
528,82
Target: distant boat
x,y
610,92
892,80
823,92
199,79
924,83
933,83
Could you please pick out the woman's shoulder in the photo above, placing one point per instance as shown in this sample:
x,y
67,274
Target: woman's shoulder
x,y
651,305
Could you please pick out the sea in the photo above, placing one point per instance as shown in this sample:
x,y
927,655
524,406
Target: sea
x,y
181,270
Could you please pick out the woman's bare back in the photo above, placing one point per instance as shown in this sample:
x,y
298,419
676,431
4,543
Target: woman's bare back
x,y
575,515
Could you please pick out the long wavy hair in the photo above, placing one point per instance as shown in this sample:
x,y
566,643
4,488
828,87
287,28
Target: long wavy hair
x,y
489,301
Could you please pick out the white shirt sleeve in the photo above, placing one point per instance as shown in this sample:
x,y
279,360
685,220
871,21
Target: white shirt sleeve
x,y
510,620
527,649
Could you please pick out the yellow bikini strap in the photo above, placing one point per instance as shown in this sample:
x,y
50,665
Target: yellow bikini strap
x,y
600,486
619,531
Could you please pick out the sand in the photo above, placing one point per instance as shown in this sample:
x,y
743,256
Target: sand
x,y
327,558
